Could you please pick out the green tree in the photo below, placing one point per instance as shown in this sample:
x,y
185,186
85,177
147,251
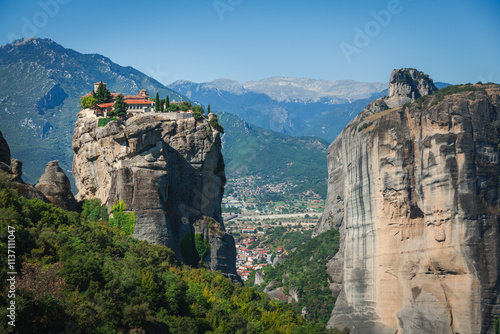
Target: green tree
x,y
196,115
157,102
202,245
125,221
198,109
120,107
208,109
173,107
88,101
93,211
103,94
167,102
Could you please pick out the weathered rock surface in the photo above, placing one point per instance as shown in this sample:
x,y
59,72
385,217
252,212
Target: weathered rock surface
x,y
4,150
407,85
169,172
55,185
259,278
415,195
15,172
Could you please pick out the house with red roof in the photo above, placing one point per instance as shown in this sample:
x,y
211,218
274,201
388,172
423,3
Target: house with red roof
x,y
136,103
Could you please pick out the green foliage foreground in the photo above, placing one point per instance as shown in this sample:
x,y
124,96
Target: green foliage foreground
x,y
78,274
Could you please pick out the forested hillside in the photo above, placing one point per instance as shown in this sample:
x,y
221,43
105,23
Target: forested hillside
x,y
75,271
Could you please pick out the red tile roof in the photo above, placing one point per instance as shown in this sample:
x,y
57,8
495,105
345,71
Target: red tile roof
x,y
138,102
105,105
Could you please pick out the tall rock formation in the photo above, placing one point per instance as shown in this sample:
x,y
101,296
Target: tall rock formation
x,y
55,185
169,171
15,172
414,191
4,150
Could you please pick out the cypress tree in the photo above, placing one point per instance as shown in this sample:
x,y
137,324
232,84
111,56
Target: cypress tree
x,y
208,109
167,102
157,102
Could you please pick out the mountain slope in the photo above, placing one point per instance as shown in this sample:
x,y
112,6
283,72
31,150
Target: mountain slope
x,y
40,86
273,156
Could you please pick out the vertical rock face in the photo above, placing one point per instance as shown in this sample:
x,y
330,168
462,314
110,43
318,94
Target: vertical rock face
x,y
4,150
55,185
414,192
169,172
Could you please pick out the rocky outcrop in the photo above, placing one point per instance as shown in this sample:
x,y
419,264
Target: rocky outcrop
x,y
259,278
407,85
55,185
414,192
15,172
169,172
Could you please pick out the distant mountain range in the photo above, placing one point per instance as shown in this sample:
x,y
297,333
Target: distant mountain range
x,y
288,105
41,83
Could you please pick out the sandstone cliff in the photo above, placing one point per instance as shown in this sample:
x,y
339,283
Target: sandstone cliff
x,y
414,192
55,185
169,172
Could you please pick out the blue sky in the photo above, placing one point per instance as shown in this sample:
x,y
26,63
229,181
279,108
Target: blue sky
x,y
202,40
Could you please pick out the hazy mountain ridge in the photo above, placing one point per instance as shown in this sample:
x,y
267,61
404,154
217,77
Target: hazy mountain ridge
x,y
286,89
287,105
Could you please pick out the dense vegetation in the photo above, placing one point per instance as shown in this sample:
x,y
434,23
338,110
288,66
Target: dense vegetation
x,y
77,272
104,121
305,269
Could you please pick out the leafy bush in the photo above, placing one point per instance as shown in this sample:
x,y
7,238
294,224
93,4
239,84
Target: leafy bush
x,y
196,115
173,107
445,91
185,106
214,123
202,245
104,121
125,221
364,126
420,101
88,102
198,109
93,211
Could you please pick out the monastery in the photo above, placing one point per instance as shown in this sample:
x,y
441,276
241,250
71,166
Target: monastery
x,y
136,103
